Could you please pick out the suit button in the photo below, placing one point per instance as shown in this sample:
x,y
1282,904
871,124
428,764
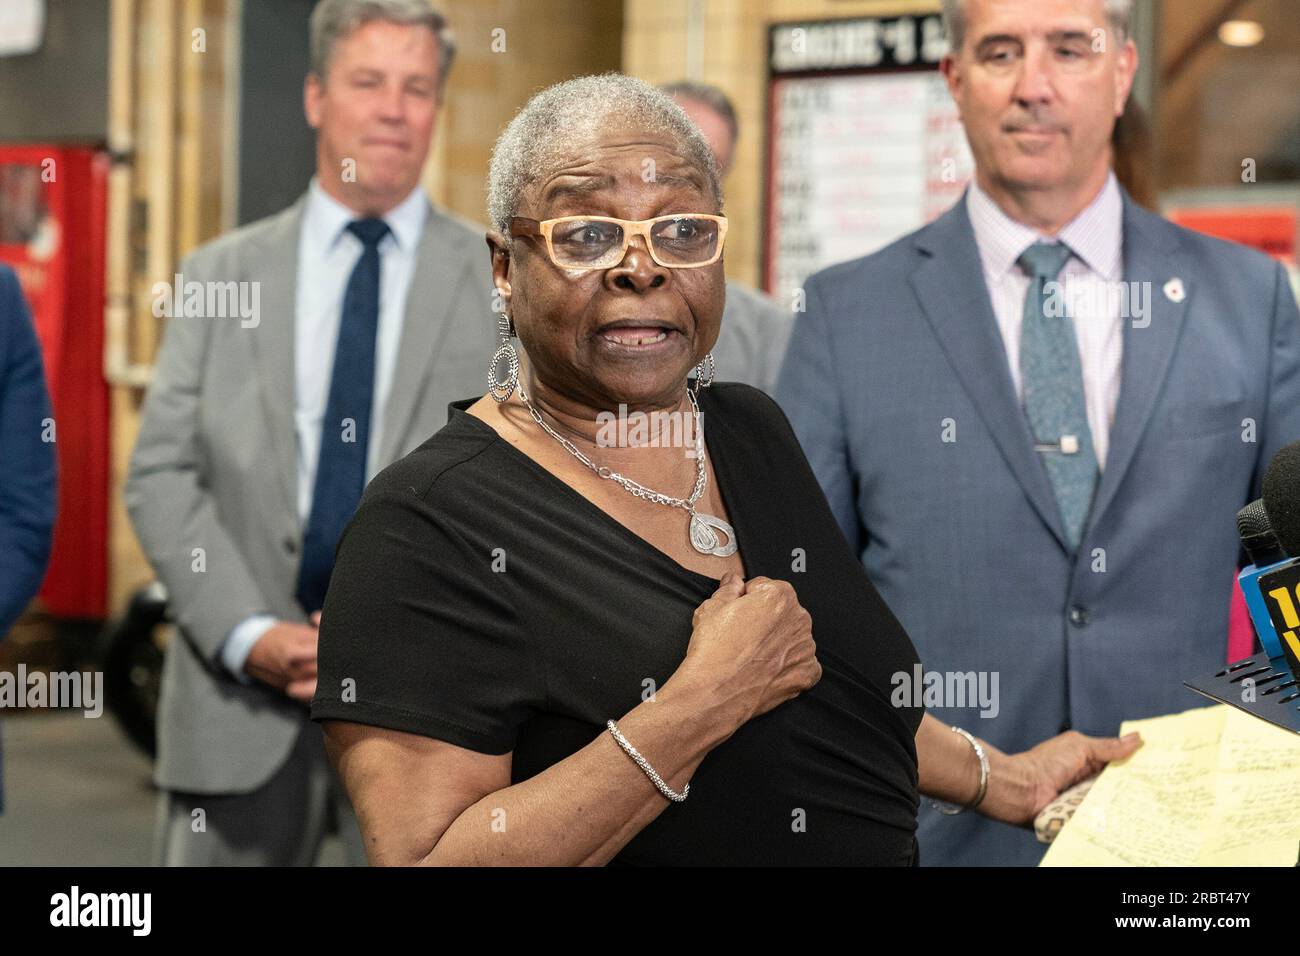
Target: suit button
x,y
1078,616
291,546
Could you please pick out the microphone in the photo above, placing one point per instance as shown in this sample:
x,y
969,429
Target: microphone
x,y
1280,585
1266,556
1270,533
1282,497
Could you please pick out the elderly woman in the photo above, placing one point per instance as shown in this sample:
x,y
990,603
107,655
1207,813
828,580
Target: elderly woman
x,y
567,630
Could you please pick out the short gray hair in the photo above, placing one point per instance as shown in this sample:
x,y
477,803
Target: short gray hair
x,y
559,114
332,20
1118,12
710,96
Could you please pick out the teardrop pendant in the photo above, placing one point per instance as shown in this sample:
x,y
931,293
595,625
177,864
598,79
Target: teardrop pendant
x,y
704,535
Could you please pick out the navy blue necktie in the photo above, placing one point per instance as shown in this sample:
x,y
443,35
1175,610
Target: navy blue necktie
x,y
345,430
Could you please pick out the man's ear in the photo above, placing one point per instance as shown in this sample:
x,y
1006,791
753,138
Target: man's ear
x,y
1127,66
312,93
951,74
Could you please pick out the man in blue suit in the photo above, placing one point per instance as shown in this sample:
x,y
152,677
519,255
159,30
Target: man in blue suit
x,y
1036,417
27,467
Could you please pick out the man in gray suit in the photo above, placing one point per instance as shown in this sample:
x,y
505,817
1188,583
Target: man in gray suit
x,y
361,313
1036,417
754,328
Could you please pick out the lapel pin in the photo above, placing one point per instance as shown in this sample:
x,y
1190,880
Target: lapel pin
x,y
1174,290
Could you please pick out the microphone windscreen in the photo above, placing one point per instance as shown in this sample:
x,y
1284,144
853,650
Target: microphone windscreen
x,y
1252,520
1282,497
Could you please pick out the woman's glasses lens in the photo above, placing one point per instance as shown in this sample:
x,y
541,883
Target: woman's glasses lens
x,y
594,243
685,240
585,242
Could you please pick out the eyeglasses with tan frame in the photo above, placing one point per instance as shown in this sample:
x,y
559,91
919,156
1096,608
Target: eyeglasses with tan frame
x,y
601,242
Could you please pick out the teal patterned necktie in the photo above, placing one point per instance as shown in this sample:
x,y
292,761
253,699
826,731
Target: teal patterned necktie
x,y
1053,388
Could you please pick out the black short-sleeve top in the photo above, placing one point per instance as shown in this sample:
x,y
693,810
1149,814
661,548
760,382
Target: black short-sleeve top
x,y
478,599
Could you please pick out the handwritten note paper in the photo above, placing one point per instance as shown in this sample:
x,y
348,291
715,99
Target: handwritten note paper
x,y
1210,787
1256,819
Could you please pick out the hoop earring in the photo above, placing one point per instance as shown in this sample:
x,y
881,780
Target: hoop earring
x,y
705,372
499,389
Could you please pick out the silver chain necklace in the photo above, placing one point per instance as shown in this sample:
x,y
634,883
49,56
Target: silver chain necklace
x,y
704,528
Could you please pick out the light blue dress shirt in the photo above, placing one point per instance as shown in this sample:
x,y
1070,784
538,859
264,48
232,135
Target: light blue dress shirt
x,y
327,253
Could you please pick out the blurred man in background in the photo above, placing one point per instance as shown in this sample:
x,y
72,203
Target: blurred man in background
x,y
1036,417
27,462
258,437
754,328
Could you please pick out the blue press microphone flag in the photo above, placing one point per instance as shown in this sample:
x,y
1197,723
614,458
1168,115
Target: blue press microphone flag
x,y
1281,588
1257,604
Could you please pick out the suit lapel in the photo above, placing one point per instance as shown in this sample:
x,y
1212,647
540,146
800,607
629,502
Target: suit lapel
x,y
439,266
1151,254
954,296
275,262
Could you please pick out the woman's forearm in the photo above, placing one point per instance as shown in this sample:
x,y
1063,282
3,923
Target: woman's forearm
x,y
586,808
949,770
947,767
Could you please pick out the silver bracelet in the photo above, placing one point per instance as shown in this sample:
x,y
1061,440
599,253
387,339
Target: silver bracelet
x,y
952,809
644,764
